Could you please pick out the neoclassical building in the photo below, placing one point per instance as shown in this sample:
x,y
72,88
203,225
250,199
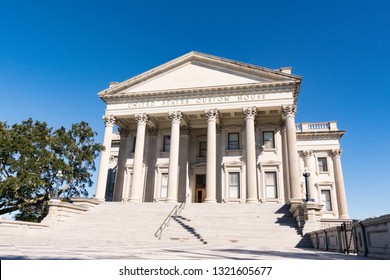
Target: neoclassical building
x,y
205,129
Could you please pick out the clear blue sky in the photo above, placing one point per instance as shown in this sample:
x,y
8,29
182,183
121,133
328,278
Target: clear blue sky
x,y
56,55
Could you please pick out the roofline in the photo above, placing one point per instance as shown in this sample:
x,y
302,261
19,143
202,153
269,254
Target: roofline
x,y
191,56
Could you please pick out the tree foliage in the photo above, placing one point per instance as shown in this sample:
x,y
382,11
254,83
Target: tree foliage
x,y
31,154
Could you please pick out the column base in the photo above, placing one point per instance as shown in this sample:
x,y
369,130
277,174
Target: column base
x,y
170,200
344,217
135,200
210,200
252,201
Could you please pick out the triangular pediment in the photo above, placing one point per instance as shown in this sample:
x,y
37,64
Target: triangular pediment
x,y
198,71
195,75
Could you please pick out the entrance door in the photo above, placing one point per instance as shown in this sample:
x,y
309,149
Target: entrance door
x,y
200,188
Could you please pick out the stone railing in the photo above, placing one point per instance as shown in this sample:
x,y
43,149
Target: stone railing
x,y
15,227
373,237
337,239
60,211
369,238
317,126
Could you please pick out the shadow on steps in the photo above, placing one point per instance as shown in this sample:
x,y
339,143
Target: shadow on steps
x,y
180,219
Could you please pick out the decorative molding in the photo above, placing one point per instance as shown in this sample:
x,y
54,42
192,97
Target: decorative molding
x,y
175,116
142,118
124,132
289,110
335,153
109,120
212,114
307,153
233,164
113,159
250,112
185,130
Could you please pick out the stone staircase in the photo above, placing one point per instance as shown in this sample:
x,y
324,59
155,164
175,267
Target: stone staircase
x,y
116,224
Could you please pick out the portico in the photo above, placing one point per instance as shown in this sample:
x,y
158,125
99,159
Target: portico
x,y
206,129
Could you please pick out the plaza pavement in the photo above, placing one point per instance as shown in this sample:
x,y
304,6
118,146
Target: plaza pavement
x,y
41,250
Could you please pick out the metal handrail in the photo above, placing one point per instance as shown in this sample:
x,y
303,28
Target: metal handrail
x,y
174,212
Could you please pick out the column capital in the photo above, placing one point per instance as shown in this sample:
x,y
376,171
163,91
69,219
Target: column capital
x,y
153,131
142,118
212,114
185,129
124,132
307,153
176,116
250,112
112,159
289,110
109,120
335,153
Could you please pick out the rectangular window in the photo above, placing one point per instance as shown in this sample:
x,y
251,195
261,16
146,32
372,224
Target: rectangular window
x,y
233,142
202,149
234,184
270,185
268,140
164,185
326,200
167,143
322,164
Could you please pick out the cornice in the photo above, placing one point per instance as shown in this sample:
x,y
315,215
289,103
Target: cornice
x,y
201,91
320,134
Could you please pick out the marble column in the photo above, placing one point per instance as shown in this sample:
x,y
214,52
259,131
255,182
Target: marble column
x,y
251,194
340,189
289,112
308,159
211,160
109,121
137,183
173,168
122,157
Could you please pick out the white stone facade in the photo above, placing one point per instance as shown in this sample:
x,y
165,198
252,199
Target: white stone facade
x,y
206,129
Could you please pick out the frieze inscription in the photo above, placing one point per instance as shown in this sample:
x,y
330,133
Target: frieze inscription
x,y
197,101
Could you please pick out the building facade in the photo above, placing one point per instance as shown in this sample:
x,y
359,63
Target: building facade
x,y
205,129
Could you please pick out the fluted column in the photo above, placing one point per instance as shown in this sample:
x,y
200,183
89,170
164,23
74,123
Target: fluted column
x,y
173,168
211,163
123,147
109,121
137,183
289,112
251,194
340,189
308,160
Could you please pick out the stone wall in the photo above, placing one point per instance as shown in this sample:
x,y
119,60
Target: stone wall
x,y
368,238
336,239
373,237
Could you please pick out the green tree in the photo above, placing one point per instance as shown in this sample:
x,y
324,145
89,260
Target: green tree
x,y
31,154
